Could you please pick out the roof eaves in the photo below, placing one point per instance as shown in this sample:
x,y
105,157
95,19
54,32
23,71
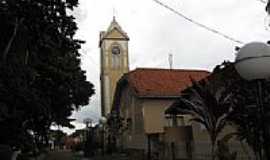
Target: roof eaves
x,y
176,70
120,31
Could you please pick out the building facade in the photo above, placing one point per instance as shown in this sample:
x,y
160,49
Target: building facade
x,y
114,62
141,98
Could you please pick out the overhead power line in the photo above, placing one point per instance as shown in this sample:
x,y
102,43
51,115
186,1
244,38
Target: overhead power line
x,y
263,1
197,23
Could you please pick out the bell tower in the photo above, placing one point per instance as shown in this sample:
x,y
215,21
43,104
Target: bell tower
x,y
113,45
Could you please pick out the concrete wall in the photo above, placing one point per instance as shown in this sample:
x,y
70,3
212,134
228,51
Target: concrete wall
x,y
178,142
131,109
178,134
154,116
202,145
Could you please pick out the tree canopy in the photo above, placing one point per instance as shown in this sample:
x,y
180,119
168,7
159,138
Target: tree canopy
x,y
207,107
41,79
267,8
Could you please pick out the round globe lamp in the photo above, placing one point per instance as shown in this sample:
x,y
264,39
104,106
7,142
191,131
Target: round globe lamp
x,y
103,120
253,61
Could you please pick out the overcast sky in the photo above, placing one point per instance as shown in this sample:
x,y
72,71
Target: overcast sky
x,y
155,32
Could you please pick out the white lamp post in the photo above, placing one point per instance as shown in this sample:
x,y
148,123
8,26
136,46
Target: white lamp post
x,y
88,122
103,122
253,64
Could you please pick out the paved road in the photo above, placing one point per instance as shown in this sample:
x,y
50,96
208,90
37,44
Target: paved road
x,y
60,155
68,155
110,157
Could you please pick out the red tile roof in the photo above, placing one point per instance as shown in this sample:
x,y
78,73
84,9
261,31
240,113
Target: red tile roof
x,y
150,82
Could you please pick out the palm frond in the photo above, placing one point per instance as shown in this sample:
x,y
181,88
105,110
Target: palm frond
x,y
207,107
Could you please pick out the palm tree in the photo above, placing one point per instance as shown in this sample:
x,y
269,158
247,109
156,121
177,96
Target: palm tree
x,y
207,107
246,116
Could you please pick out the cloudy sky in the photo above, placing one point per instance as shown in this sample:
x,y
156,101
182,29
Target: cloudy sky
x,y
155,32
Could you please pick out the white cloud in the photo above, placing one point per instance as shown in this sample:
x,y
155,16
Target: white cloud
x,y
78,125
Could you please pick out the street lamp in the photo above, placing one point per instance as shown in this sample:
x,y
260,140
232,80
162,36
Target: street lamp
x,y
253,61
88,139
88,122
253,64
103,122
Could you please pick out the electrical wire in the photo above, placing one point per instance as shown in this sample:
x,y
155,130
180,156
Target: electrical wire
x,y
262,1
197,23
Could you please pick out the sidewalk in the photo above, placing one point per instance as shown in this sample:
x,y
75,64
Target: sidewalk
x,y
110,157
60,155
69,155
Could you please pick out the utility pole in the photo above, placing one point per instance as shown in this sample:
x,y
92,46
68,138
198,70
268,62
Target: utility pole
x,y
170,60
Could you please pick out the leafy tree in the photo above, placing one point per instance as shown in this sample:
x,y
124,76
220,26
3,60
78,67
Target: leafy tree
x,y
207,107
248,118
267,8
58,136
116,126
41,79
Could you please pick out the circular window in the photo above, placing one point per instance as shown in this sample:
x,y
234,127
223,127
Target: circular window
x,y
115,50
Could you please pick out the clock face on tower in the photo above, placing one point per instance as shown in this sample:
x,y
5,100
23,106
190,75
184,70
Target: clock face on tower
x,y
115,50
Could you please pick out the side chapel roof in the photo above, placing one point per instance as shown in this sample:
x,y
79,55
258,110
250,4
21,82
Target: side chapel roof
x,y
154,82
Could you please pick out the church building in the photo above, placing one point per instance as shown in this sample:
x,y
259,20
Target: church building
x,y
141,97
114,62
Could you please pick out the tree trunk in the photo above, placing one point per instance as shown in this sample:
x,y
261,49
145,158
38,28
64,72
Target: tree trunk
x,y
6,51
245,150
213,144
173,150
260,102
36,148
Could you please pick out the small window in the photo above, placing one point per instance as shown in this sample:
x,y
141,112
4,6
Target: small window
x,y
175,120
